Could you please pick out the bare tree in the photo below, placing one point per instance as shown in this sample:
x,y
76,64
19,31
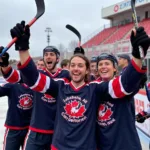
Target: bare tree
x,y
72,45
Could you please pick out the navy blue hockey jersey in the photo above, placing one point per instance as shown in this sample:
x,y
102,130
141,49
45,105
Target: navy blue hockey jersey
x,y
76,107
19,105
43,115
116,128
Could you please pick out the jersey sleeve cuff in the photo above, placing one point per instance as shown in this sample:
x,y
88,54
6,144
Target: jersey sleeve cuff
x,y
24,65
7,70
137,68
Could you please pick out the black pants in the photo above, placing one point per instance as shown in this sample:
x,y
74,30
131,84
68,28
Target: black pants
x,y
14,139
37,141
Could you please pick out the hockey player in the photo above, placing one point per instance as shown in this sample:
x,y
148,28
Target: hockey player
x,y
19,111
76,100
42,124
93,67
114,114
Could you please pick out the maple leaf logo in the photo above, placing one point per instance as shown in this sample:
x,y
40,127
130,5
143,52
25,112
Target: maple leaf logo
x,y
75,109
25,102
104,113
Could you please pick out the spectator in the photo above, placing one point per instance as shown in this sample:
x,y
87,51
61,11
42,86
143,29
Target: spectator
x,y
40,64
123,61
65,64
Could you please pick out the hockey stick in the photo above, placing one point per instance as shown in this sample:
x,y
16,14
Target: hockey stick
x,y
40,11
75,31
146,116
134,16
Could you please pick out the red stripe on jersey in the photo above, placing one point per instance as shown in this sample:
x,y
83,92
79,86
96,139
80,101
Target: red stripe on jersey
x,y
55,74
7,70
41,130
16,128
41,83
53,147
148,85
14,77
25,140
21,66
77,88
5,139
138,69
117,88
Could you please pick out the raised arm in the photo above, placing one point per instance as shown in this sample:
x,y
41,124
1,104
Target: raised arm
x,y
131,78
30,75
11,75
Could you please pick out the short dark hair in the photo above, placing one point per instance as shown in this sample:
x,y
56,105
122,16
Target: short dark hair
x,y
64,62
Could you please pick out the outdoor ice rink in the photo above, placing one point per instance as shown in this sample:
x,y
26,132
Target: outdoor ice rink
x,y
3,108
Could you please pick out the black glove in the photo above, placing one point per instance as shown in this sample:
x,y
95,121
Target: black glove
x,y
141,117
79,50
143,81
142,40
5,58
22,32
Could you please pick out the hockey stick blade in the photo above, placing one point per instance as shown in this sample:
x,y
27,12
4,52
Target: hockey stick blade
x,y
40,11
75,31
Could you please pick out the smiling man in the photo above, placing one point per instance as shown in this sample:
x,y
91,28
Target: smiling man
x,y
51,58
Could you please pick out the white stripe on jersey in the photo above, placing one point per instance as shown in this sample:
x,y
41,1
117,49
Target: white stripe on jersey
x,y
47,85
122,88
112,89
36,83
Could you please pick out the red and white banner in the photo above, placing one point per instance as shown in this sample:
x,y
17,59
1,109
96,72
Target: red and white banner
x,y
142,103
121,7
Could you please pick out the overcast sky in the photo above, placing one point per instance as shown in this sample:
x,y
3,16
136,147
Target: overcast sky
x,y
85,15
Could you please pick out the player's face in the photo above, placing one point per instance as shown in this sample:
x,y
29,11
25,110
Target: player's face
x,y
121,62
40,64
78,69
50,60
93,67
106,69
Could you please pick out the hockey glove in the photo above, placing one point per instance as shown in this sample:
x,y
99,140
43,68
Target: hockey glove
x,y
79,50
22,32
141,117
142,40
4,62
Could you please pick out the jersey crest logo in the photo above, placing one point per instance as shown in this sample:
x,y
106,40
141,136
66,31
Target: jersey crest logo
x,y
104,113
48,98
75,109
25,101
